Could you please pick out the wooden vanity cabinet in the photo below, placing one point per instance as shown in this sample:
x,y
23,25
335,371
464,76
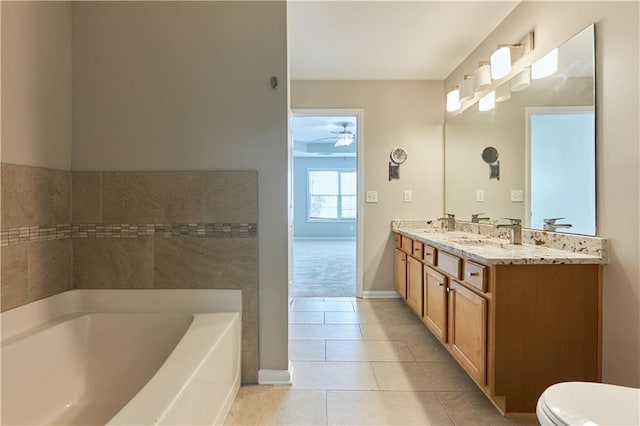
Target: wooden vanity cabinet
x,y
435,303
515,329
467,321
400,273
414,285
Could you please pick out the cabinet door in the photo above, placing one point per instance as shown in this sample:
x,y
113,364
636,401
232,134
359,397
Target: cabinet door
x,y
468,330
414,285
400,267
435,303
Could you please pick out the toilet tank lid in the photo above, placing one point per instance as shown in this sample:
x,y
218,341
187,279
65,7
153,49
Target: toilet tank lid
x,y
586,403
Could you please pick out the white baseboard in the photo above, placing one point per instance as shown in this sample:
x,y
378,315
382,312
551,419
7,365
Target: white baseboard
x,y
276,377
380,294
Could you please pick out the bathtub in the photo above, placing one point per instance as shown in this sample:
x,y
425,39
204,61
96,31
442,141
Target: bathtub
x,y
122,357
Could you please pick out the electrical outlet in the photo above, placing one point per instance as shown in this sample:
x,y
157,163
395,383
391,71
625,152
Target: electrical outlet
x,y
480,195
371,197
407,195
517,196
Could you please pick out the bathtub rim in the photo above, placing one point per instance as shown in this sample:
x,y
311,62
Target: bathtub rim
x,y
79,301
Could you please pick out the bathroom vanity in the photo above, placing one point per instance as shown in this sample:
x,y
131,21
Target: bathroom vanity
x,y
516,318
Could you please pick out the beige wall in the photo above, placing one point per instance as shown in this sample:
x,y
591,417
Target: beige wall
x,y
36,84
396,113
185,86
617,135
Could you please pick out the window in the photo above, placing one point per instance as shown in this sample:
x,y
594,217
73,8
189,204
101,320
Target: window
x,y
332,194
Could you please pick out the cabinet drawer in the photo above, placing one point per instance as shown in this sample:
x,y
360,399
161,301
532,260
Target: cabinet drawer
x,y
417,250
406,244
475,275
449,263
398,240
429,255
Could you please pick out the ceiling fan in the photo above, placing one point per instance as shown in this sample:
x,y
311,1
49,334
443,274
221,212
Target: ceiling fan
x,y
343,137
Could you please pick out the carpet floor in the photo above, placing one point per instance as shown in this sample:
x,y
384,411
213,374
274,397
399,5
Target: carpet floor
x,y
324,268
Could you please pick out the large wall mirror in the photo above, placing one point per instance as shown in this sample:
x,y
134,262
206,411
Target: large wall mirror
x,y
543,132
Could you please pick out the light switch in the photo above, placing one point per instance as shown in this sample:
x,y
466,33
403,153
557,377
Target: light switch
x,y
480,195
371,197
517,196
408,195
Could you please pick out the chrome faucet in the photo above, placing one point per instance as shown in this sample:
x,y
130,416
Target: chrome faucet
x,y
551,225
449,221
475,218
515,236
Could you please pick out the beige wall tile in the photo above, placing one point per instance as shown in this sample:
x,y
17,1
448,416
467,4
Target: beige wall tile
x,y
86,203
152,197
231,197
250,340
215,263
205,262
13,277
50,268
113,263
34,196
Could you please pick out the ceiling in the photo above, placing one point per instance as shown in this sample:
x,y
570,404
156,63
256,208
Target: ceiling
x,y
387,40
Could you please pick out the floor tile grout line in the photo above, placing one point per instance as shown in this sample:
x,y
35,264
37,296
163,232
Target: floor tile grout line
x,y
446,410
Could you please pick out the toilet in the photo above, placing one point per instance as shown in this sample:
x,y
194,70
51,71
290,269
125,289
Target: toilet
x,y
585,403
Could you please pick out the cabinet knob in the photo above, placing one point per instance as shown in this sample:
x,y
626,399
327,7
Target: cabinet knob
x,y
473,274
440,284
448,289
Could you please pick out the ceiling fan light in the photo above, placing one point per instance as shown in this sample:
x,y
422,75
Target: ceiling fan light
x,y
344,139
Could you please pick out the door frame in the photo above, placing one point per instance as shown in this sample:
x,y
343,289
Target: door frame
x,y
329,112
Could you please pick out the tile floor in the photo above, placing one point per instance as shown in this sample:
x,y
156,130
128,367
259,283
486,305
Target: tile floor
x,y
365,362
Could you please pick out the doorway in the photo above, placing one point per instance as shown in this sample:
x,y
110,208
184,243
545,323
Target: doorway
x,y
325,218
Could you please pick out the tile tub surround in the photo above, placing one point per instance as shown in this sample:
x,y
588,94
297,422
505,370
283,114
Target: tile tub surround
x,y
177,230
539,247
35,231
131,230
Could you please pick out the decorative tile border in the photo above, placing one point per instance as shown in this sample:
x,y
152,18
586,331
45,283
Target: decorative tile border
x,y
25,234
13,236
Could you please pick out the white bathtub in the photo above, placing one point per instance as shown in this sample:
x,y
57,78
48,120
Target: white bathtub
x,y
122,357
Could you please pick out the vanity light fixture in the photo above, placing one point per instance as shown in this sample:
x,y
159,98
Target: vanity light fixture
x,y
482,76
501,59
453,99
488,102
503,92
501,62
466,88
545,66
521,81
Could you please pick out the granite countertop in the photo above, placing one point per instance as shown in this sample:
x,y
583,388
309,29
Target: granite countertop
x,y
489,250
